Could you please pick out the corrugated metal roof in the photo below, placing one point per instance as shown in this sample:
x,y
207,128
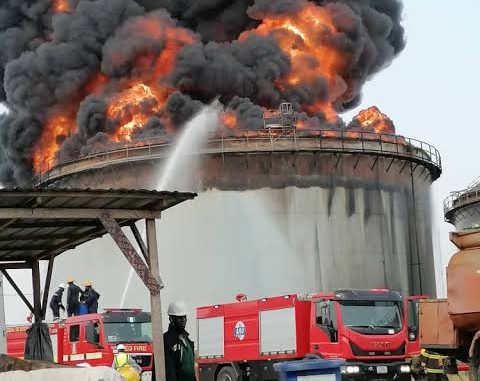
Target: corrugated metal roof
x,y
41,223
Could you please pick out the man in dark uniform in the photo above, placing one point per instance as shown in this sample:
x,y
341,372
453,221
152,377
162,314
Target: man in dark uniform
x,y
73,294
56,302
90,297
474,357
179,349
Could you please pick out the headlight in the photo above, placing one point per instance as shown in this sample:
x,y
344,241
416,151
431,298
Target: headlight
x,y
351,369
405,369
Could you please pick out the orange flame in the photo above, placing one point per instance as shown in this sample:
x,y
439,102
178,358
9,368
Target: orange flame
x,y
229,119
300,37
61,6
132,108
133,105
57,128
374,120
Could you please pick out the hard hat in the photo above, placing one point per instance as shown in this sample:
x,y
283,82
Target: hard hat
x,y
177,309
70,280
120,347
88,283
61,285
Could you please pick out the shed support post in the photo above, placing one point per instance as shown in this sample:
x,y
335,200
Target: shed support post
x,y
46,288
155,302
37,303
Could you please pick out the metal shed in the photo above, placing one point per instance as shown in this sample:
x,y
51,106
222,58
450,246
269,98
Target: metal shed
x,y
40,224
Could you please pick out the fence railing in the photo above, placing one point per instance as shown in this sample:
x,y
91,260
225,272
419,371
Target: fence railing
x,y
460,198
248,141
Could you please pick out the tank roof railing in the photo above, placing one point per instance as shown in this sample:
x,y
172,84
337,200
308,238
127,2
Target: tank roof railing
x,y
458,199
329,141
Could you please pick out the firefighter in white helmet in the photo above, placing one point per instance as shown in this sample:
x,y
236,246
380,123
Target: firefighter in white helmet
x,y
56,302
179,349
121,358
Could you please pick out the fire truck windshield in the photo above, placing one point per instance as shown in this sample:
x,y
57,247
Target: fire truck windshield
x,y
371,315
128,332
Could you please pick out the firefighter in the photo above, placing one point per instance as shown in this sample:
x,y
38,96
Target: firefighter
x,y
179,349
90,297
56,302
121,358
73,294
474,357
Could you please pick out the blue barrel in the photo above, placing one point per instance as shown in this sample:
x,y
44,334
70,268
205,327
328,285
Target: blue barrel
x,y
82,309
328,370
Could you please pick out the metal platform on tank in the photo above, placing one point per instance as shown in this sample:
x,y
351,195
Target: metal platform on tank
x,y
463,205
394,147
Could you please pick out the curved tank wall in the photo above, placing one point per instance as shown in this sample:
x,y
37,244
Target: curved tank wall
x,y
268,225
462,209
467,217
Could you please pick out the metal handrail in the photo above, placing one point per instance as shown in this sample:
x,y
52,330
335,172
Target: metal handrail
x,y
251,141
460,198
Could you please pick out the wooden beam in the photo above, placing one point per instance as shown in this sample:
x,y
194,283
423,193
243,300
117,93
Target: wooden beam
x,y
43,237
74,213
46,288
37,304
72,195
55,224
155,303
15,266
17,289
4,248
139,239
113,228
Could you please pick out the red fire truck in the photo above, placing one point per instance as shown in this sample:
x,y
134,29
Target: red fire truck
x,y
93,339
371,329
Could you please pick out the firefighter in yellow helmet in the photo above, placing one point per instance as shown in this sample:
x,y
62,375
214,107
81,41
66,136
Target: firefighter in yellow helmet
x,y
73,294
90,297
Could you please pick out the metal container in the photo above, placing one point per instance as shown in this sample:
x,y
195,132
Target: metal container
x,y
463,280
436,327
275,214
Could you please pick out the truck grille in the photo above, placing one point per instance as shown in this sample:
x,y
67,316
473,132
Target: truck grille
x,y
142,360
360,352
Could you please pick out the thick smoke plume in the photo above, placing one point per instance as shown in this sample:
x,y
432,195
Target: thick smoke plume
x,y
80,74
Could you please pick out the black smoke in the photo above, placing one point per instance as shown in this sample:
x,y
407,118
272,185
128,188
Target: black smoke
x,y
48,60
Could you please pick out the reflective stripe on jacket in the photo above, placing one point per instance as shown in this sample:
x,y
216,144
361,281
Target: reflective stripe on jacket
x,y
121,359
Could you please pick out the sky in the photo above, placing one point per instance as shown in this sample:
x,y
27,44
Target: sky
x,y
430,92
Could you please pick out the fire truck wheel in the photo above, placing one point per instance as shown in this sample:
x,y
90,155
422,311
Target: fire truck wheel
x,y
227,373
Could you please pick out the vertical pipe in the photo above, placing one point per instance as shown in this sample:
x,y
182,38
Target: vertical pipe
x,y
37,303
155,303
3,343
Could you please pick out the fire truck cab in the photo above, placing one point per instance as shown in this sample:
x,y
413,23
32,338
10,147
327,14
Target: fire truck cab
x,y
93,339
368,328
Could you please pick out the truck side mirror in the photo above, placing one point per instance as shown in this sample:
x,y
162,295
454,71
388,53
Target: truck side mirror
x,y
412,333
